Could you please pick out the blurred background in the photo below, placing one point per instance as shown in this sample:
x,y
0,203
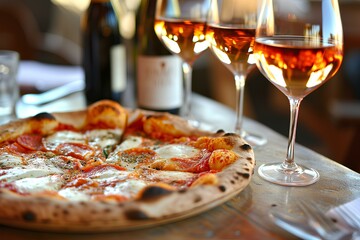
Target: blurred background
x,y
49,31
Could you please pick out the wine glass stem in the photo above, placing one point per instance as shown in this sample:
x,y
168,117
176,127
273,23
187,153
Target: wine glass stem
x,y
240,85
294,112
187,70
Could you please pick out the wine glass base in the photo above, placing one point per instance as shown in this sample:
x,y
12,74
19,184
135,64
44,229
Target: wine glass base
x,y
299,176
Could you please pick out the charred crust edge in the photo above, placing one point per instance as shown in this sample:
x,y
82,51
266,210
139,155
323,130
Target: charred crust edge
x,y
245,147
136,214
183,190
44,115
197,199
244,175
230,134
222,188
29,216
152,193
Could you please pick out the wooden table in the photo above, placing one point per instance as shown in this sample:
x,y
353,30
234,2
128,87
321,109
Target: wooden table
x,y
246,215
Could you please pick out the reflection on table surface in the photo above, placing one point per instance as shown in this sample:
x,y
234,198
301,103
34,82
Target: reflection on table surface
x,y
246,215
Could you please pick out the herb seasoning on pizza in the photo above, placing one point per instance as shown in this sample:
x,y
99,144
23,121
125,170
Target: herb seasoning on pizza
x,y
113,168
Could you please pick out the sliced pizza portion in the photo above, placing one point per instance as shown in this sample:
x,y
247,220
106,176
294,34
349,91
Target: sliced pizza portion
x,y
208,153
30,173
95,136
15,166
100,183
45,152
152,141
198,160
103,124
139,152
96,143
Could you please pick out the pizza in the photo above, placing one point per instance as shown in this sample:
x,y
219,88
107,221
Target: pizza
x,y
112,168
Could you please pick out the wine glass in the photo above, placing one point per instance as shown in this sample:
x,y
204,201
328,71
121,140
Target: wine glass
x,y
298,47
180,26
231,33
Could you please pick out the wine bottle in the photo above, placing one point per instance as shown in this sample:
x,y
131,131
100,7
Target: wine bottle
x,y
104,53
159,74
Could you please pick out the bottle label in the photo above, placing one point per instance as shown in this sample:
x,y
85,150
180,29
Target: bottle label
x,y
159,82
118,68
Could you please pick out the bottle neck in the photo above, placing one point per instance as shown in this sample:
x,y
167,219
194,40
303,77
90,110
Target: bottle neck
x,y
148,42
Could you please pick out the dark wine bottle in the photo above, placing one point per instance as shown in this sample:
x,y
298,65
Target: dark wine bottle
x,y
159,74
104,53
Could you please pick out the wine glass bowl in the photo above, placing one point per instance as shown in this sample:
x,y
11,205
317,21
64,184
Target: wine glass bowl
x,y
232,46
182,37
310,66
297,48
231,33
180,25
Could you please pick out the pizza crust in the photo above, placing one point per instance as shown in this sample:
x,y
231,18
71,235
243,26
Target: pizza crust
x,y
43,123
105,112
177,124
156,204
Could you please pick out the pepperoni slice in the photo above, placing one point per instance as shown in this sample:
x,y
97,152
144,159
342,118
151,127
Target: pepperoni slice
x,y
196,164
17,148
76,150
31,141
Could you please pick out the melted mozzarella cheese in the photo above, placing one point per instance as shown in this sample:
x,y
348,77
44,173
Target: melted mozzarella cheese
x,y
165,152
129,143
42,163
127,188
73,194
52,141
109,174
7,160
38,184
166,176
176,151
13,174
104,137
36,166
